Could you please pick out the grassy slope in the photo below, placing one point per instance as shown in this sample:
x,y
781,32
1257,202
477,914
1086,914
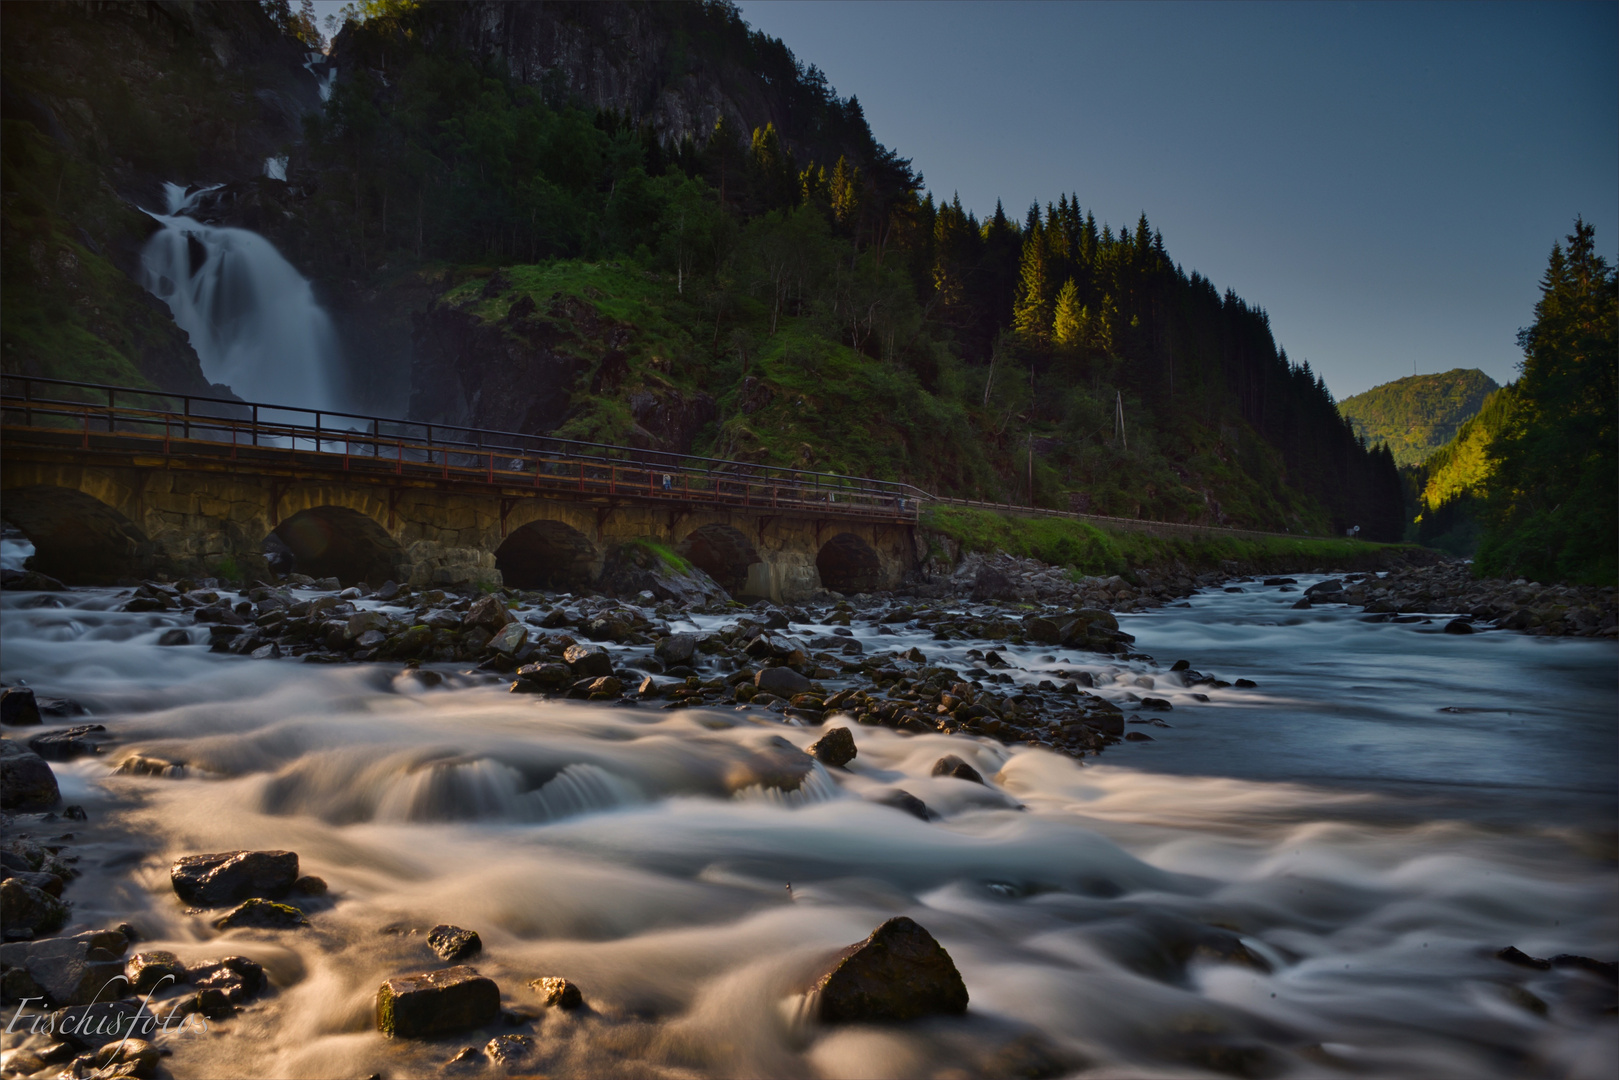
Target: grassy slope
x,y
797,398
1089,549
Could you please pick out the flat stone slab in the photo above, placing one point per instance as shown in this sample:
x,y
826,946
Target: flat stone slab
x,y
229,877
436,1003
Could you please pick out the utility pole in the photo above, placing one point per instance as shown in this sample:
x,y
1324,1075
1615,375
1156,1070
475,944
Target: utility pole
x,y
1031,466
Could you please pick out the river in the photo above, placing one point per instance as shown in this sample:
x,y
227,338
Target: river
x,y
1388,807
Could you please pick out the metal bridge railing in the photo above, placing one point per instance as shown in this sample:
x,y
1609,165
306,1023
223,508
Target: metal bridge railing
x,y
95,416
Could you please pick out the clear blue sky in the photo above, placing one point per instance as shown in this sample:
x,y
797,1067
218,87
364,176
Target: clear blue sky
x,y
1386,180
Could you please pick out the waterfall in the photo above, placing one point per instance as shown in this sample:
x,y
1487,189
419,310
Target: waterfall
x,y
250,315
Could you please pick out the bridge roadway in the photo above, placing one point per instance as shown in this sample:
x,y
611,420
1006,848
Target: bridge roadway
x,y
113,483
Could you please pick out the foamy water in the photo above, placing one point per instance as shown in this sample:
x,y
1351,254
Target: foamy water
x,y
644,854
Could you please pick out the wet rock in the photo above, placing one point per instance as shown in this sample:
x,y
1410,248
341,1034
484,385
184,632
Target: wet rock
x,y
1245,684
992,584
176,636
899,973
19,707
900,799
262,914
512,636
1137,736
453,943
1326,590
436,1003
310,885
148,971
781,681
230,877
588,660
47,882
140,765
836,747
1460,626
952,766
1156,703
65,971
544,676
1302,604
27,910
126,1057
27,784
224,984
68,744
29,581
676,649
488,612
98,1024
557,993
1512,955
508,1050
1602,969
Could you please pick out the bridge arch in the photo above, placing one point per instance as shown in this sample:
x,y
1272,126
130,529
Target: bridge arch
x,y
77,538
847,564
335,541
724,554
547,554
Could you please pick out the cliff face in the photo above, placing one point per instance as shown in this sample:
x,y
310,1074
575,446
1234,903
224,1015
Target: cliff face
x,y
673,67
494,357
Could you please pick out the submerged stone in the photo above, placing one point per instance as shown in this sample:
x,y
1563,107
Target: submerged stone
x,y
557,993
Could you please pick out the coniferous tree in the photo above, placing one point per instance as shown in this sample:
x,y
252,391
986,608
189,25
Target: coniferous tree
x,y
1552,511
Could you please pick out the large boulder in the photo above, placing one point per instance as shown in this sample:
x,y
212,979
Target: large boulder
x,y
64,971
899,973
634,568
27,784
230,877
436,1003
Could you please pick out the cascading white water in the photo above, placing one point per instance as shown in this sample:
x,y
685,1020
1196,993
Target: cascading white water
x,y
251,316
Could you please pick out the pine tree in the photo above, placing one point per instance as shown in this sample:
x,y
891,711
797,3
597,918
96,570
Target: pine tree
x,y
1068,324
1031,315
1552,509
845,191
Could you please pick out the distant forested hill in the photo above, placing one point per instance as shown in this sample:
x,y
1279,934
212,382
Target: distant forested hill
x,y
1419,414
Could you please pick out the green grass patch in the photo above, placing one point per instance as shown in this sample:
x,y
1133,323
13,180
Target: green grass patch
x,y
662,553
1090,549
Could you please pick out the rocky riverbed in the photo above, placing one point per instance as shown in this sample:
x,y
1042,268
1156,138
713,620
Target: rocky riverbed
x,y
989,668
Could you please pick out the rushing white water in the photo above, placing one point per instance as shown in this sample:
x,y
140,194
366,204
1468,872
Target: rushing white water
x,y
252,318
326,81
643,854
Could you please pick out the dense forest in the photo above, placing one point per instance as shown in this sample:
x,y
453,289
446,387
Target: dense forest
x,y
772,277
1418,414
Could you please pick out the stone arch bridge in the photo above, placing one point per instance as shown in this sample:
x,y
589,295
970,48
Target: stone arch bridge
x,y
113,484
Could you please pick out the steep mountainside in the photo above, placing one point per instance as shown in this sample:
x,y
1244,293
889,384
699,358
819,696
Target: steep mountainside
x,y
1418,414
645,223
